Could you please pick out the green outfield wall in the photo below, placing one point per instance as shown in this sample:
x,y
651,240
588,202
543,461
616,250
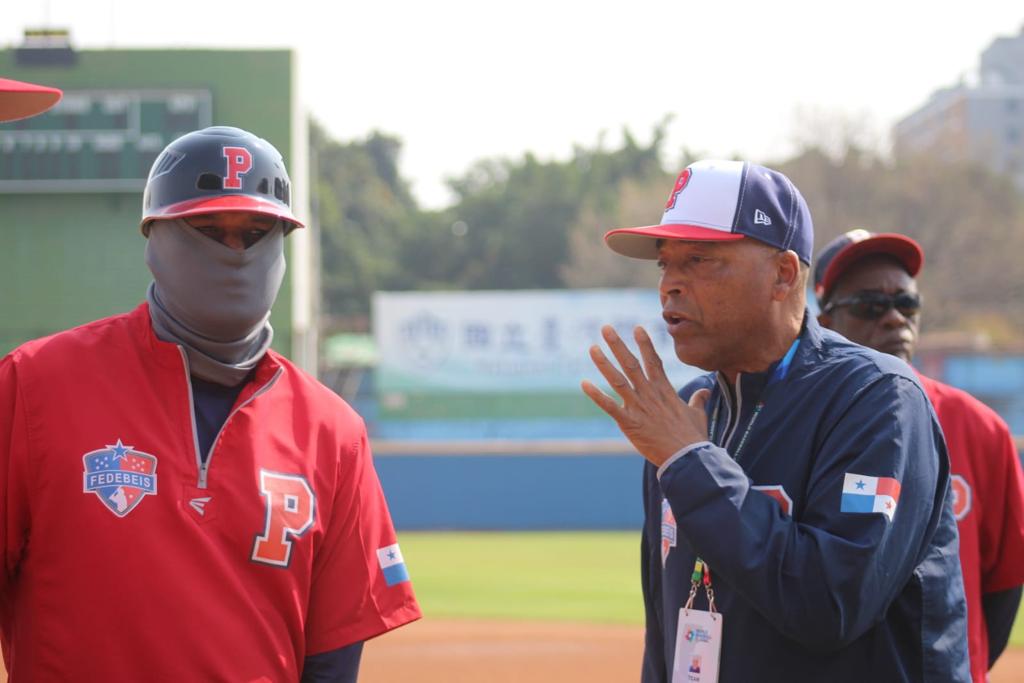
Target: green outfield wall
x,y
70,250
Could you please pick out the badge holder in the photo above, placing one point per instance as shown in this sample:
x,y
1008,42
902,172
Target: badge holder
x,y
699,634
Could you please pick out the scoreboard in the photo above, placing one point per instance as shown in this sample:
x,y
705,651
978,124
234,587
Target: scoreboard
x,y
97,140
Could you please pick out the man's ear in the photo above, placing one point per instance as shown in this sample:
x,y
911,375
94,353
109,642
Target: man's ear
x,y
787,274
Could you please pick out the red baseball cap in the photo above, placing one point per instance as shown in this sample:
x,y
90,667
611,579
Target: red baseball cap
x,y
845,250
20,100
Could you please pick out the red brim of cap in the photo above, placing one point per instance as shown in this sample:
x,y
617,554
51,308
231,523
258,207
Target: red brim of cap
x,y
902,248
20,100
227,203
643,242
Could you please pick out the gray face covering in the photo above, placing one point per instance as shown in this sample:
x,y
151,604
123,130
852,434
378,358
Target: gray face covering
x,y
214,300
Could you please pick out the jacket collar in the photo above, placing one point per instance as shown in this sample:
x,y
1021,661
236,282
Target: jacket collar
x,y
751,385
168,355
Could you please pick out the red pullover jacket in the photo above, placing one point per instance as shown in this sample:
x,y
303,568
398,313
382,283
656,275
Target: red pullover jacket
x,y
127,559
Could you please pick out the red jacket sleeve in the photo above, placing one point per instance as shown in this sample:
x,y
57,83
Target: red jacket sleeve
x,y
1002,523
360,584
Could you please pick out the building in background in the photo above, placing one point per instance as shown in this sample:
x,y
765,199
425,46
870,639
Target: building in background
x,y
71,180
981,122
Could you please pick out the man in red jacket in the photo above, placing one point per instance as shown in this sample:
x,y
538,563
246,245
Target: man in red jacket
x,y
866,289
178,502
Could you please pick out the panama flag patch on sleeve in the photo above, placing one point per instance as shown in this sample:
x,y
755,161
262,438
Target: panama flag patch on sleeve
x,y
870,494
392,564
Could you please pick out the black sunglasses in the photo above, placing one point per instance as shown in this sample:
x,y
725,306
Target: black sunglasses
x,y
873,305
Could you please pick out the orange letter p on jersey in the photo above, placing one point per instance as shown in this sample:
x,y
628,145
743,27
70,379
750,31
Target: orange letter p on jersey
x,y
290,513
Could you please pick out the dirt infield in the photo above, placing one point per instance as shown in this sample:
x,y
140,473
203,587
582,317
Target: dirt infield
x,y
433,651
1009,668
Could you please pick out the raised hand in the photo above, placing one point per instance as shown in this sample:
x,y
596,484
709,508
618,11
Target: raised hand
x,y
652,416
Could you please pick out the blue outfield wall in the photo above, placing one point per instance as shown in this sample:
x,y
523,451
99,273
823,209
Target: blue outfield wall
x,y
996,380
510,491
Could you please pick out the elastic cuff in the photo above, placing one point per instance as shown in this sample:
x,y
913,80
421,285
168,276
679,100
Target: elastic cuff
x,y
680,453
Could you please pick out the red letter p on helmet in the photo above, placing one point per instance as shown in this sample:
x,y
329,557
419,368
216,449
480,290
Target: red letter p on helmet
x,y
239,163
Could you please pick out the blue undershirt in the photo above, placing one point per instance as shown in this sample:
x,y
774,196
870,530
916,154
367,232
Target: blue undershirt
x,y
212,403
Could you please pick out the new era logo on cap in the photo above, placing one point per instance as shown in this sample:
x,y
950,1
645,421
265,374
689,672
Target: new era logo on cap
x,y
723,201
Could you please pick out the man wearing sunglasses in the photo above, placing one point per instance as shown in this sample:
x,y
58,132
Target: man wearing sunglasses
x,y
866,289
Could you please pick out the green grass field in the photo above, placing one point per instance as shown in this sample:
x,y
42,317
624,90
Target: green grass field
x,y
1017,635
549,576
556,576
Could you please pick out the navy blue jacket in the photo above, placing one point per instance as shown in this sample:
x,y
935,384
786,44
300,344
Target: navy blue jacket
x,y
808,592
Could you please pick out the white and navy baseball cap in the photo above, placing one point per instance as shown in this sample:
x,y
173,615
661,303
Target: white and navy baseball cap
x,y
721,201
19,100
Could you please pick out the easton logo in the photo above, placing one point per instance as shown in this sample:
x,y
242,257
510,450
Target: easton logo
x,y
761,218
680,185
239,163
199,504
120,476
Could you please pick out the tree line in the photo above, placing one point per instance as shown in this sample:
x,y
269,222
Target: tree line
x,y
526,223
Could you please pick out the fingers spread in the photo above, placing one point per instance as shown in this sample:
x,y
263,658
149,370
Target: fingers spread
x,y
653,366
615,379
603,400
630,364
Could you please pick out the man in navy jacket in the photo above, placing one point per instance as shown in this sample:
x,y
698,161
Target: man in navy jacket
x,y
804,481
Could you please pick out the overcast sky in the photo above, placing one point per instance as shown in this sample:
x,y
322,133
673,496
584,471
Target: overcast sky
x,y
461,80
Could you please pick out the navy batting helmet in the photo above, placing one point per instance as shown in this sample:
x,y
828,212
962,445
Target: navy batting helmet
x,y
218,169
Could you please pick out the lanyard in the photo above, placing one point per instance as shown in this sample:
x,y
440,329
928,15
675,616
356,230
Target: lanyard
x,y
781,370
701,571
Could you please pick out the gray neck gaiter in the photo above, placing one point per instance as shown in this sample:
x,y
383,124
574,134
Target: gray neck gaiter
x,y
213,300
